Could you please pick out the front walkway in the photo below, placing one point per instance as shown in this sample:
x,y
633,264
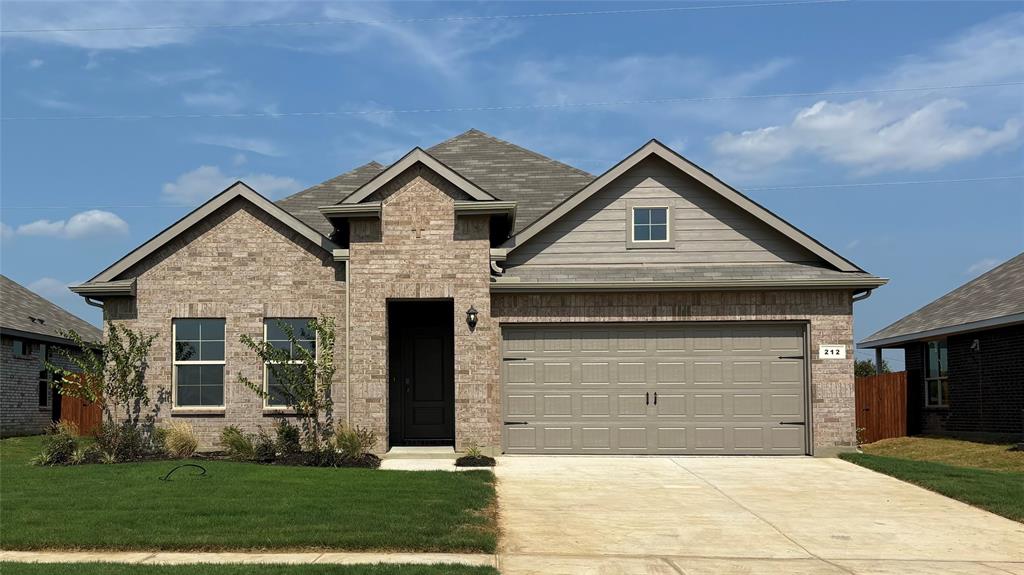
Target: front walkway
x,y
696,515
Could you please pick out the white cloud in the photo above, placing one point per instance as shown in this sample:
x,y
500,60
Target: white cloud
x,y
120,17
907,131
204,182
90,223
36,63
981,266
871,137
260,146
50,288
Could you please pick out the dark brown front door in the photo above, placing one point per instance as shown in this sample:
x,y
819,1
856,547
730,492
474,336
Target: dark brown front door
x,y
422,382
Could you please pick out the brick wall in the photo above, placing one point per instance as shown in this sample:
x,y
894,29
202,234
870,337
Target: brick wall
x,y
829,314
244,266
20,413
420,250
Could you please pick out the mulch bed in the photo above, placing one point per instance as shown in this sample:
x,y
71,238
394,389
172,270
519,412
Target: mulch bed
x,y
475,461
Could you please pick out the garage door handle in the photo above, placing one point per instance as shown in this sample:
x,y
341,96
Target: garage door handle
x,y
792,423
647,398
517,423
514,358
655,398
791,357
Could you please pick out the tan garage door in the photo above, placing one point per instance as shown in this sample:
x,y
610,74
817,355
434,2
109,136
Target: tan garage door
x,y
717,388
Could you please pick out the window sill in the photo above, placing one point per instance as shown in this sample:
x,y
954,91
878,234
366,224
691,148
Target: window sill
x,y
669,245
209,411
274,411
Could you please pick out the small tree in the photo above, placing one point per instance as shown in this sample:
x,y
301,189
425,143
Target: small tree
x,y
866,367
112,376
303,378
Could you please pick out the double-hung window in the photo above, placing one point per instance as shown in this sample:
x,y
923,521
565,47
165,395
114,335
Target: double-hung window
x,y
276,334
44,387
936,383
198,362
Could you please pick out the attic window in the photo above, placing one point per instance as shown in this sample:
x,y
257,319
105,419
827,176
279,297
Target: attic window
x,y
648,226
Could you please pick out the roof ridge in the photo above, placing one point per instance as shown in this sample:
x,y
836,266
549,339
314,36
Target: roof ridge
x,y
516,146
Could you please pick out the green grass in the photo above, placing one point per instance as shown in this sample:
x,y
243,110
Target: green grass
x,y
1000,492
121,569
240,506
992,456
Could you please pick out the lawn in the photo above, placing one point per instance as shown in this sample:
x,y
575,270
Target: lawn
x,y
1000,492
121,569
992,456
240,506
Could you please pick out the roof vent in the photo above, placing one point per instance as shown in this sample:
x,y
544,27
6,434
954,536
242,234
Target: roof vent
x,y
38,320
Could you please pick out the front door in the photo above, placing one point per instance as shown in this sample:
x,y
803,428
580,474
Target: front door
x,y
422,381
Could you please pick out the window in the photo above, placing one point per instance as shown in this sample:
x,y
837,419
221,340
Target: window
x,y
20,348
44,388
650,224
936,384
198,362
276,334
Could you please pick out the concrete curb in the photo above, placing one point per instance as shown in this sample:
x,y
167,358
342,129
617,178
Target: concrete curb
x,y
179,558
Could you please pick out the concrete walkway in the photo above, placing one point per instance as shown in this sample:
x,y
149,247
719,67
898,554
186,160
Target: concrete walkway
x,y
170,558
697,515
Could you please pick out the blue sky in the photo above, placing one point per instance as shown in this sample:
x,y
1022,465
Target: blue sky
x,y
90,190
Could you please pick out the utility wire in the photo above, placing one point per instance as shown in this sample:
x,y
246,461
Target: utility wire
x,y
509,108
373,22
773,188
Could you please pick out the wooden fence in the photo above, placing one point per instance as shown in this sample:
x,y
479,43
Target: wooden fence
x,y
87,416
881,406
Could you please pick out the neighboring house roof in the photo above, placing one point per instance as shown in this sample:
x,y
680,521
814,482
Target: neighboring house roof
x,y
236,190
28,314
305,204
993,299
768,275
656,148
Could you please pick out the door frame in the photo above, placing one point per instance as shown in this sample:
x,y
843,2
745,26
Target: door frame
x,y
443,321
807,350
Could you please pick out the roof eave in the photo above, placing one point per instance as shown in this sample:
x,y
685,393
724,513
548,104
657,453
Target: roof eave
x,y
511,286
47,338
944,331
105,289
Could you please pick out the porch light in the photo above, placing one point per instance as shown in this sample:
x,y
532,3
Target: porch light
x,y
471,317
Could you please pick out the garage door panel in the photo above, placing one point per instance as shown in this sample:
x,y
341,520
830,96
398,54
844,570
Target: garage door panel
x,y
654,388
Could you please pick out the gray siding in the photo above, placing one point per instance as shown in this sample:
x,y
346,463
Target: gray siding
x,y
707,229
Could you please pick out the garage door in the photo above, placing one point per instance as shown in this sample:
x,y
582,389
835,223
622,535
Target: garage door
x,y
717,388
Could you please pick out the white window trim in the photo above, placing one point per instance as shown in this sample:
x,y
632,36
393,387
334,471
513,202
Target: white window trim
x,y
266,369
632,242
175,363
943,401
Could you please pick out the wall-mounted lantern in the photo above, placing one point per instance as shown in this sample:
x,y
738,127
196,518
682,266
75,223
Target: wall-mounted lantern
x,y
471,318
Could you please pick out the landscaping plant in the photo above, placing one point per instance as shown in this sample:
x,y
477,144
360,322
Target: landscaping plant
x,y
180,440
237,444
303,378
355,445
474,457
288,437
59,445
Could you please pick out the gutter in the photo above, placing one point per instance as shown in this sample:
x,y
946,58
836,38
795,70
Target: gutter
x,y
513,285
980,325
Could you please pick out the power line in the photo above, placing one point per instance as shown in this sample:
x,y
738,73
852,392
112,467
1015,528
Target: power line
x,y
773,188
374,22
508,108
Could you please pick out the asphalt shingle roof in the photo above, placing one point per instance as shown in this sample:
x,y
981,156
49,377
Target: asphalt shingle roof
x,y
994,294
19,305
504,170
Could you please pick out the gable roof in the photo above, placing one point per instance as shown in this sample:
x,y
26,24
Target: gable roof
x,y
236,190
656,148
509,172
305,204
26,313
993,299
417,155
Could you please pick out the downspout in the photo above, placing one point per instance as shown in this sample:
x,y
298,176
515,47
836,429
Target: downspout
x,y
861,295
93,303
348,346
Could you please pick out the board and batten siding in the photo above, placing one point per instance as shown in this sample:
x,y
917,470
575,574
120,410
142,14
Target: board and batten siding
x,y
706,228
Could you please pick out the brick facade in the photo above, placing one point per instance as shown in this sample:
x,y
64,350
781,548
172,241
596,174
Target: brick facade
x,y
420,250
829,314
20,412
986,387
241,265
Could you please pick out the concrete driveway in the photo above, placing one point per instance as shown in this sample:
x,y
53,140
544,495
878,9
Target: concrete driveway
x,y
723,515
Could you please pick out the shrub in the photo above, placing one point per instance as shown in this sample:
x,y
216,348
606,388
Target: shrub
x,y
288,437
124,441
180,440
354,442
323,457
59,445
237,444
264,449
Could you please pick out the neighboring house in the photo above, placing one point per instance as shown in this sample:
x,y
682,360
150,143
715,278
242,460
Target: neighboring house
x,y
30,332
965,356
485,294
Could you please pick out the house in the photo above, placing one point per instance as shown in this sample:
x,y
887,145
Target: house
x,y
31,330
965,356
487,295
